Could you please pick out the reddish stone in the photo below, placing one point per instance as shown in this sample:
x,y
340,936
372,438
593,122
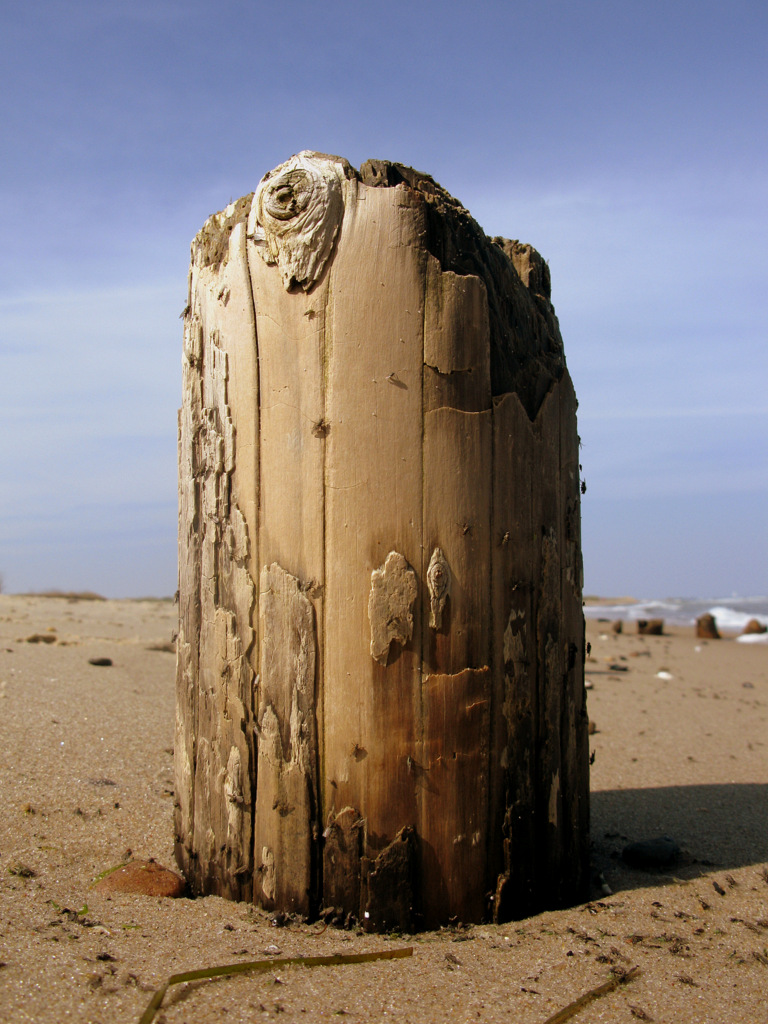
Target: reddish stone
x,y
754,626
143,878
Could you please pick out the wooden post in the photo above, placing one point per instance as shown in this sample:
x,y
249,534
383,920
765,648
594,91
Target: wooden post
x,y
380,692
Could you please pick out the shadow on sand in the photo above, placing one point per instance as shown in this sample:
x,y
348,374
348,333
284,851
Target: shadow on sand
x,y
718,827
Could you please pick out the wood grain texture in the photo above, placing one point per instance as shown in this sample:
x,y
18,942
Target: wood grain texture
x,y
549,648
453,822
513,851
286,827
374,332
378,426
575,723
457,369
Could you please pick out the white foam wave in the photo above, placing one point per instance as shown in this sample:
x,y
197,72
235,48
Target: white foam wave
x,y
731,614
732,620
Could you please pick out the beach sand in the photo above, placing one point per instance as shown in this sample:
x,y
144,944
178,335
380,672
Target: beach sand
x,y
86,774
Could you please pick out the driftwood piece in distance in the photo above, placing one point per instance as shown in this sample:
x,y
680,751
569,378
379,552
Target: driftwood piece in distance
x,y
257,966
594,993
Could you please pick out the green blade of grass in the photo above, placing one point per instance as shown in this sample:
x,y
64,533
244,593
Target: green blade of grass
x,y
251,966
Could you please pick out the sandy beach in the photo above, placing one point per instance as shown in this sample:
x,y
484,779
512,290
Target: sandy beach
x,y
680,748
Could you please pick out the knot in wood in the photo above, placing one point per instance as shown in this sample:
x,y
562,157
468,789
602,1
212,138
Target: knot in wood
x,y
439,586
288,194
295,217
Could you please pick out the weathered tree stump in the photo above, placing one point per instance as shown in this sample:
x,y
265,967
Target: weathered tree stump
x,y
380,658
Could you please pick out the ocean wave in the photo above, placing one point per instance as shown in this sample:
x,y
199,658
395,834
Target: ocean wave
x,y
732,619
731,614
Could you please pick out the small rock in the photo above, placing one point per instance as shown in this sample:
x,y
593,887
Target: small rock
x,y
100,662
22,870
649,854
706,627
42,638
650,627
617,626
754,626
143,878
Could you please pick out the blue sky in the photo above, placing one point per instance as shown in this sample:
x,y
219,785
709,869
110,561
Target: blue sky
x,y
625,140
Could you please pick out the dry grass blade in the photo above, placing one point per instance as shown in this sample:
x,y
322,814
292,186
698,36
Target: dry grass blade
x,y
594,993
253,966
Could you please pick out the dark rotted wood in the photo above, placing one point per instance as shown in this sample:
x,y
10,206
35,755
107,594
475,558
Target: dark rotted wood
x,y
389,897
342,853
574,740
513,851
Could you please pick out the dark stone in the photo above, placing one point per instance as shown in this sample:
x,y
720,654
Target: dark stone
x,y
706,627
650,627
651,854
100,662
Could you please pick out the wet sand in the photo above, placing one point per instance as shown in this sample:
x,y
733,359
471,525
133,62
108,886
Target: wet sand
x,y
86,774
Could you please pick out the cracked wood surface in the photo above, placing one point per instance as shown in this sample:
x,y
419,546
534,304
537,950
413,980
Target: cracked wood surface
x,y
285,824
383,435
217,500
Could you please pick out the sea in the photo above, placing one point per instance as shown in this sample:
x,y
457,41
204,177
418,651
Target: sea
x,y
731,613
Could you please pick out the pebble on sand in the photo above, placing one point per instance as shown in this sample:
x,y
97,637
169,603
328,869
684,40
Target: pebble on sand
x,y
650,627
143,878
649,854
